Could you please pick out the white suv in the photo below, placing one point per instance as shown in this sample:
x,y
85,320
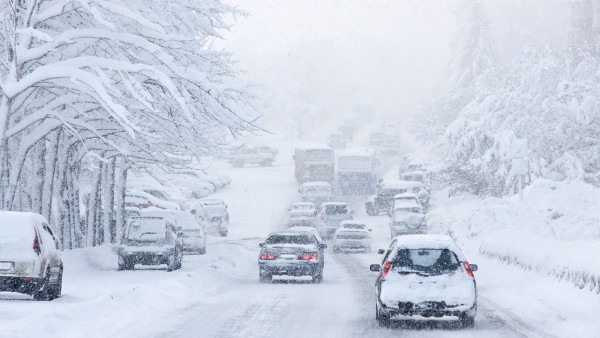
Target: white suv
x,y
29,259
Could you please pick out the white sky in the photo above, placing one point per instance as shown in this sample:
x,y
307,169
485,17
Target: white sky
x,y
320,57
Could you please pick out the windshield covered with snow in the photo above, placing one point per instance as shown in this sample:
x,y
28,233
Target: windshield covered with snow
x,y
318,155
147,229
336,209
316,191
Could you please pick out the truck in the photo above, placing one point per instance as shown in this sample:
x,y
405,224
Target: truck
x,y
314,163
357,171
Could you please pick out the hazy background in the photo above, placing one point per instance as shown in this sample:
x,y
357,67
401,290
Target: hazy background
x,y
315,59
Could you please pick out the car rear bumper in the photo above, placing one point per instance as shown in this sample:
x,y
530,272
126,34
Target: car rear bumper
x,y
430,309
147,258
26,285
289,269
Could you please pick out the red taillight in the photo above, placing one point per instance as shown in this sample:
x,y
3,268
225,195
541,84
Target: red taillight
x,y
386,269
36,245
308,257
267,257
468,268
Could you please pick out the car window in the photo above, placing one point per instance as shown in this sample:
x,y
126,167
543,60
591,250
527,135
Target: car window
x,y
291,239
354,226
149,229
52,238
336,210
428,261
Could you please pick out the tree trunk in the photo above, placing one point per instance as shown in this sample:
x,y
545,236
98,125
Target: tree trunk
x,y
92,207
37,192
108,197
120,189
51,162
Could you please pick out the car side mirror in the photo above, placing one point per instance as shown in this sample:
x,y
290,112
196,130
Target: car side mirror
x,y
323,246
473,267
375,267
261,245
381,251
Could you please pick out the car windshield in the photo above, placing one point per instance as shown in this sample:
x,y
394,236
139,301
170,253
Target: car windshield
x,y
425,261
148,229
354,226
400,211
336,209
417,178
303,207
290,239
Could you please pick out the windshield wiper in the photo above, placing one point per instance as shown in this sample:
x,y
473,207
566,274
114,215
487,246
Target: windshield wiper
x,y
418,272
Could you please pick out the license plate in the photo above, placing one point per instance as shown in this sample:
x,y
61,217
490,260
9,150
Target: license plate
x,y
5,266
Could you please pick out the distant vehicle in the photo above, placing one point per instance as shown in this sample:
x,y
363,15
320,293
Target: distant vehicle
x,y
188,229
330,216
348,131
405,198
291,253
390,146
336,141
356,171
416,179
352,235
314,163
383,201
150,240
407,218
263,156
142,200
316,192
417,176
423,277
302,213
376,138
213,215
30,262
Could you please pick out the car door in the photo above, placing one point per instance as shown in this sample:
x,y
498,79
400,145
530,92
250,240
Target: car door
x,y
50,248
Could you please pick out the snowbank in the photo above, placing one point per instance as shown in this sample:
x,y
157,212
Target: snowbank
x,y
554,230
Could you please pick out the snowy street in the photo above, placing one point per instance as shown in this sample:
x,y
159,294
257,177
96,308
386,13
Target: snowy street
x,y
218,294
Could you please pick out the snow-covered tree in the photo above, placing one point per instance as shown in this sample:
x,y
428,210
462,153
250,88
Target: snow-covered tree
x,y
128,83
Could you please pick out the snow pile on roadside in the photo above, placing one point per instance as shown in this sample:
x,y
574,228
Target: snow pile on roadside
x,y
555,230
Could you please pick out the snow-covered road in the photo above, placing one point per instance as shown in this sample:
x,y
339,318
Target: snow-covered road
x,y
218,294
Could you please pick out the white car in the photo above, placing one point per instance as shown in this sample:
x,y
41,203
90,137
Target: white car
x,y
30,262
352,235
316,192
302,213
423,277
212,213
188,229
331,215
407,219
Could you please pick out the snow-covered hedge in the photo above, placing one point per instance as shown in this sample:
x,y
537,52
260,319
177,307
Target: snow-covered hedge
x,y
554,230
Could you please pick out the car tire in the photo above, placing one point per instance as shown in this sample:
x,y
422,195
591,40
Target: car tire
x,y
467,321
317,278
57,288
202,251
371,209
266,163
265,278
44,292
382,319
223,233
179,260
172,262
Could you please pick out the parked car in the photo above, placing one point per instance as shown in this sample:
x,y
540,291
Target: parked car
x,y
302,213
263,156
150,240
425,276
291,254
336,141
188,229
142,200
213,215
30,262
315,192
405,198
407,218
352,235
330,216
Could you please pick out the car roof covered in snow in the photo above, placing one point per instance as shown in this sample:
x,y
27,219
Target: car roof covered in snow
x,y
324,204
428,241
315,184
416,172
14,223
401,204
355,151
405,195
351,221
398,184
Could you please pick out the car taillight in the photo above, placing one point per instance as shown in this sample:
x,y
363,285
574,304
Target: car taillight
x,y
468,268
308,257
386,269
267,256
36,245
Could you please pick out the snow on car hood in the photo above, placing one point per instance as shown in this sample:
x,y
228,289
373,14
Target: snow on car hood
x,y
456,288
